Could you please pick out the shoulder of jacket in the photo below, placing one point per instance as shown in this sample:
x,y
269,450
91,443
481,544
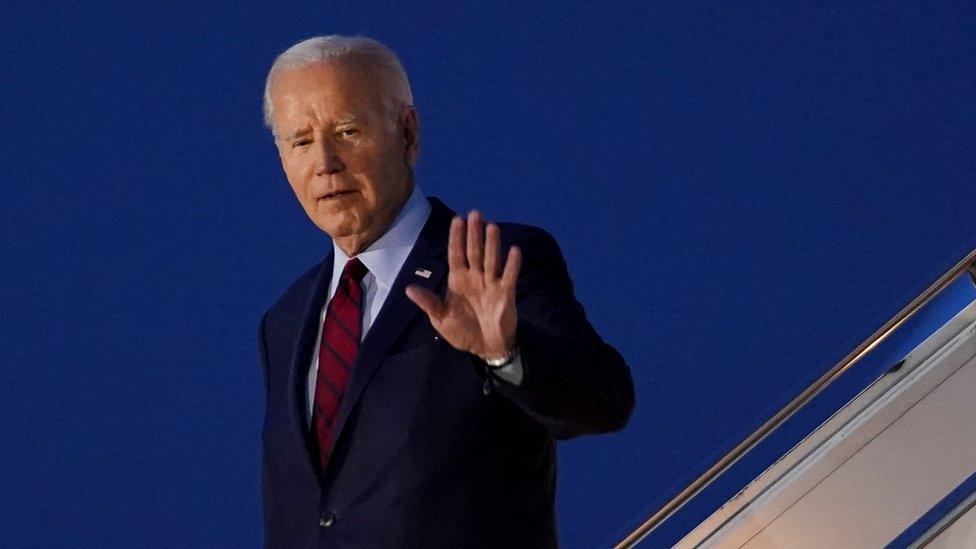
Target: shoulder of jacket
x,y
295,295
537,244
525,235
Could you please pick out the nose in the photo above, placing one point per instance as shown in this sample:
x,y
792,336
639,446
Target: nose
x,y
328,161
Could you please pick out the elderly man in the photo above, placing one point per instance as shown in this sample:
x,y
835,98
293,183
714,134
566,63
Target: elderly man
x,y
418,377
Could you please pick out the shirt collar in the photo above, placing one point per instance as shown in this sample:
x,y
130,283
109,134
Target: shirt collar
x,y
386,256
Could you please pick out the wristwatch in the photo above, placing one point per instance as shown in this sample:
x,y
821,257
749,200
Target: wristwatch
x,y
492,364
497,363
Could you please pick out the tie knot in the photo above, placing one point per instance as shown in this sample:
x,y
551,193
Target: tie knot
x,y
354,270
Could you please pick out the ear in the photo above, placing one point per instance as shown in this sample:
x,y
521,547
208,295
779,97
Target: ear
x,y
410,127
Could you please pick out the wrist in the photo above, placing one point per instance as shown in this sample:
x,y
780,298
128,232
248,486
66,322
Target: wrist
x,y
496,363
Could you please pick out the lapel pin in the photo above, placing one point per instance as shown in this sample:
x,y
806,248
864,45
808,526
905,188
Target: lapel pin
x,y
422,272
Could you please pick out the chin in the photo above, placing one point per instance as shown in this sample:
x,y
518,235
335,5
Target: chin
x,y
340,228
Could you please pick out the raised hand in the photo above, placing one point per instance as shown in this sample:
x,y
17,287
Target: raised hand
x,y
477,314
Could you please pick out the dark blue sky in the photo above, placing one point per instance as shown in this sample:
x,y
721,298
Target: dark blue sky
x,y
743,194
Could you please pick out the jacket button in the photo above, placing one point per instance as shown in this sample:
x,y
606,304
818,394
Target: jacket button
x,y
326,520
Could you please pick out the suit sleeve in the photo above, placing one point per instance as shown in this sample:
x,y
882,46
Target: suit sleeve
x,y
573,382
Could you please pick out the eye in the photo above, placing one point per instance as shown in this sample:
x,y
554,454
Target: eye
x,y
348,132
301,143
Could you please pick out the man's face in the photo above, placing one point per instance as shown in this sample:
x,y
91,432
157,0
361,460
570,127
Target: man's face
x,y
347,158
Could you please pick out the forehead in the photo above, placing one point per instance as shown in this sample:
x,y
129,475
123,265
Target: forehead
x,y
324,91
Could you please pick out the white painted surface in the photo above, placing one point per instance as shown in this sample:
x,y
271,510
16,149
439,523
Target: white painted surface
x,y
874,467
893,480
961,533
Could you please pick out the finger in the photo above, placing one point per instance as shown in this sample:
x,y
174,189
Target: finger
x,y
476,241
492,239
512,265
427,301
455,245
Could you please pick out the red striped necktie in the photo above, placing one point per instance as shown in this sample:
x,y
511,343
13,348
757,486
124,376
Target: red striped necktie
x,y
341,332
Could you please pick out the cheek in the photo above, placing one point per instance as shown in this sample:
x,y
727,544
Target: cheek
x,y
383,174
297,173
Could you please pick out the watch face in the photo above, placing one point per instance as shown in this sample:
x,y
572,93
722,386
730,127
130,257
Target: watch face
x,y
501,362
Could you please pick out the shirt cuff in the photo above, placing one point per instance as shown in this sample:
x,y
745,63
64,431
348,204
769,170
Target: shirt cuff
x,y
511,373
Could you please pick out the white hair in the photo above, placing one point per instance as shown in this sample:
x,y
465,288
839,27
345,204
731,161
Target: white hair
x,y
395,87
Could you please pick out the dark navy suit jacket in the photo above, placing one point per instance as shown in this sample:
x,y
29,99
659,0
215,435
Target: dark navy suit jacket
x,y
424,457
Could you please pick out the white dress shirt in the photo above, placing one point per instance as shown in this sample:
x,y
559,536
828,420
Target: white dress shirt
x,y
384,258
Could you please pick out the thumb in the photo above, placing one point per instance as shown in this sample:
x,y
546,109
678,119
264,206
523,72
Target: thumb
x,y
426,300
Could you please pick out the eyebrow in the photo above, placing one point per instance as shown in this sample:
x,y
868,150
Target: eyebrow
x,y
305,131
298,133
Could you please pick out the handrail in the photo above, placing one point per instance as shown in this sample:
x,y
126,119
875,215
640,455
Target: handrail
x,y
794,405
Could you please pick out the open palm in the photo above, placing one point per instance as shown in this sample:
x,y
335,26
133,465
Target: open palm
x,y
477,313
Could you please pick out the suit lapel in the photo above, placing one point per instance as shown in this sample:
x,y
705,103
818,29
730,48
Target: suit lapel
x,y
302,358
428,254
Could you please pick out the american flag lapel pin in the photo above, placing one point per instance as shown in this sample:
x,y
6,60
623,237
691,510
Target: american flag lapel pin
x,y
422,272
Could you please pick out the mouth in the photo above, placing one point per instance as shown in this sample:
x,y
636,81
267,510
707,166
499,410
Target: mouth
x,y
335,194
